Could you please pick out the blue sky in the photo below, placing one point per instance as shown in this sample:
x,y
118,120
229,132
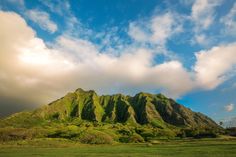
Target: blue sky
x,y
184,49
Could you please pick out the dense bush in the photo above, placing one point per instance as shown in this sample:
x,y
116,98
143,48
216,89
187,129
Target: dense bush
x,y
54,116
8,134
125,131
145,133
96,137
198,133
111,133
68,132
191,132
181,134
166,133
231,131
135,138
206,135
150,133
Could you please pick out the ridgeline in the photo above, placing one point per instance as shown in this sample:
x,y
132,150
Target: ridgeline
x,y
86,116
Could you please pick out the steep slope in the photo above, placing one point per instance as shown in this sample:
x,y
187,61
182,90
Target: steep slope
x,y
80,104
143,108
89,118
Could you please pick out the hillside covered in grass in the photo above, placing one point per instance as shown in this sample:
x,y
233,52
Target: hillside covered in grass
x,y
90,118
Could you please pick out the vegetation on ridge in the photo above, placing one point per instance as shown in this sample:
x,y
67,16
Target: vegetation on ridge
x,y
88,118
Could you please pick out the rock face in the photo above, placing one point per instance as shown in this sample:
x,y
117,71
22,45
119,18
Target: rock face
x,y
143,108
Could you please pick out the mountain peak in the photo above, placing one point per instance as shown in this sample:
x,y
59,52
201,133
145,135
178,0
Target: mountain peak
x,y
79,90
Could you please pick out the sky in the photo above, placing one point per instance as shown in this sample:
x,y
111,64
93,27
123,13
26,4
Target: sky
x,y
185,49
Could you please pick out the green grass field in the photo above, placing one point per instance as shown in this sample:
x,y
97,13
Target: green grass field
x,y
183,148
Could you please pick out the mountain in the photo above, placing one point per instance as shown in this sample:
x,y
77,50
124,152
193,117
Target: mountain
x,y
142,115
143,108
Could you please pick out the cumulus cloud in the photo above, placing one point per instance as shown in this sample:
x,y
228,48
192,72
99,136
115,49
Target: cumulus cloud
x,y
163,27
213,66
42,19
41,74
25,61
229,107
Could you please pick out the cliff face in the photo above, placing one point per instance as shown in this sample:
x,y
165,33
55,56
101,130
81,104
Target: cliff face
x,y
141,109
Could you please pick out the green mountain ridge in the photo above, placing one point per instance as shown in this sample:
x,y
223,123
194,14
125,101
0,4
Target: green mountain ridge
x,y
143,108
91,118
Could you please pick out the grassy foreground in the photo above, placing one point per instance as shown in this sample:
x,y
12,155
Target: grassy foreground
x,y
177,148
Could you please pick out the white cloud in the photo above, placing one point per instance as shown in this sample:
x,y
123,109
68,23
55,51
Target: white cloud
x,y
213,66
40,74
137,33
201,39
229,107
62,8
172,77
203,12
157,30
79,49
32,60
57,6
229,21
203,17
163,27
108,40
42,19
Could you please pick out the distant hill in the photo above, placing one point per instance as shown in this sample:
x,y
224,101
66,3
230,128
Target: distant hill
x,y
142,115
